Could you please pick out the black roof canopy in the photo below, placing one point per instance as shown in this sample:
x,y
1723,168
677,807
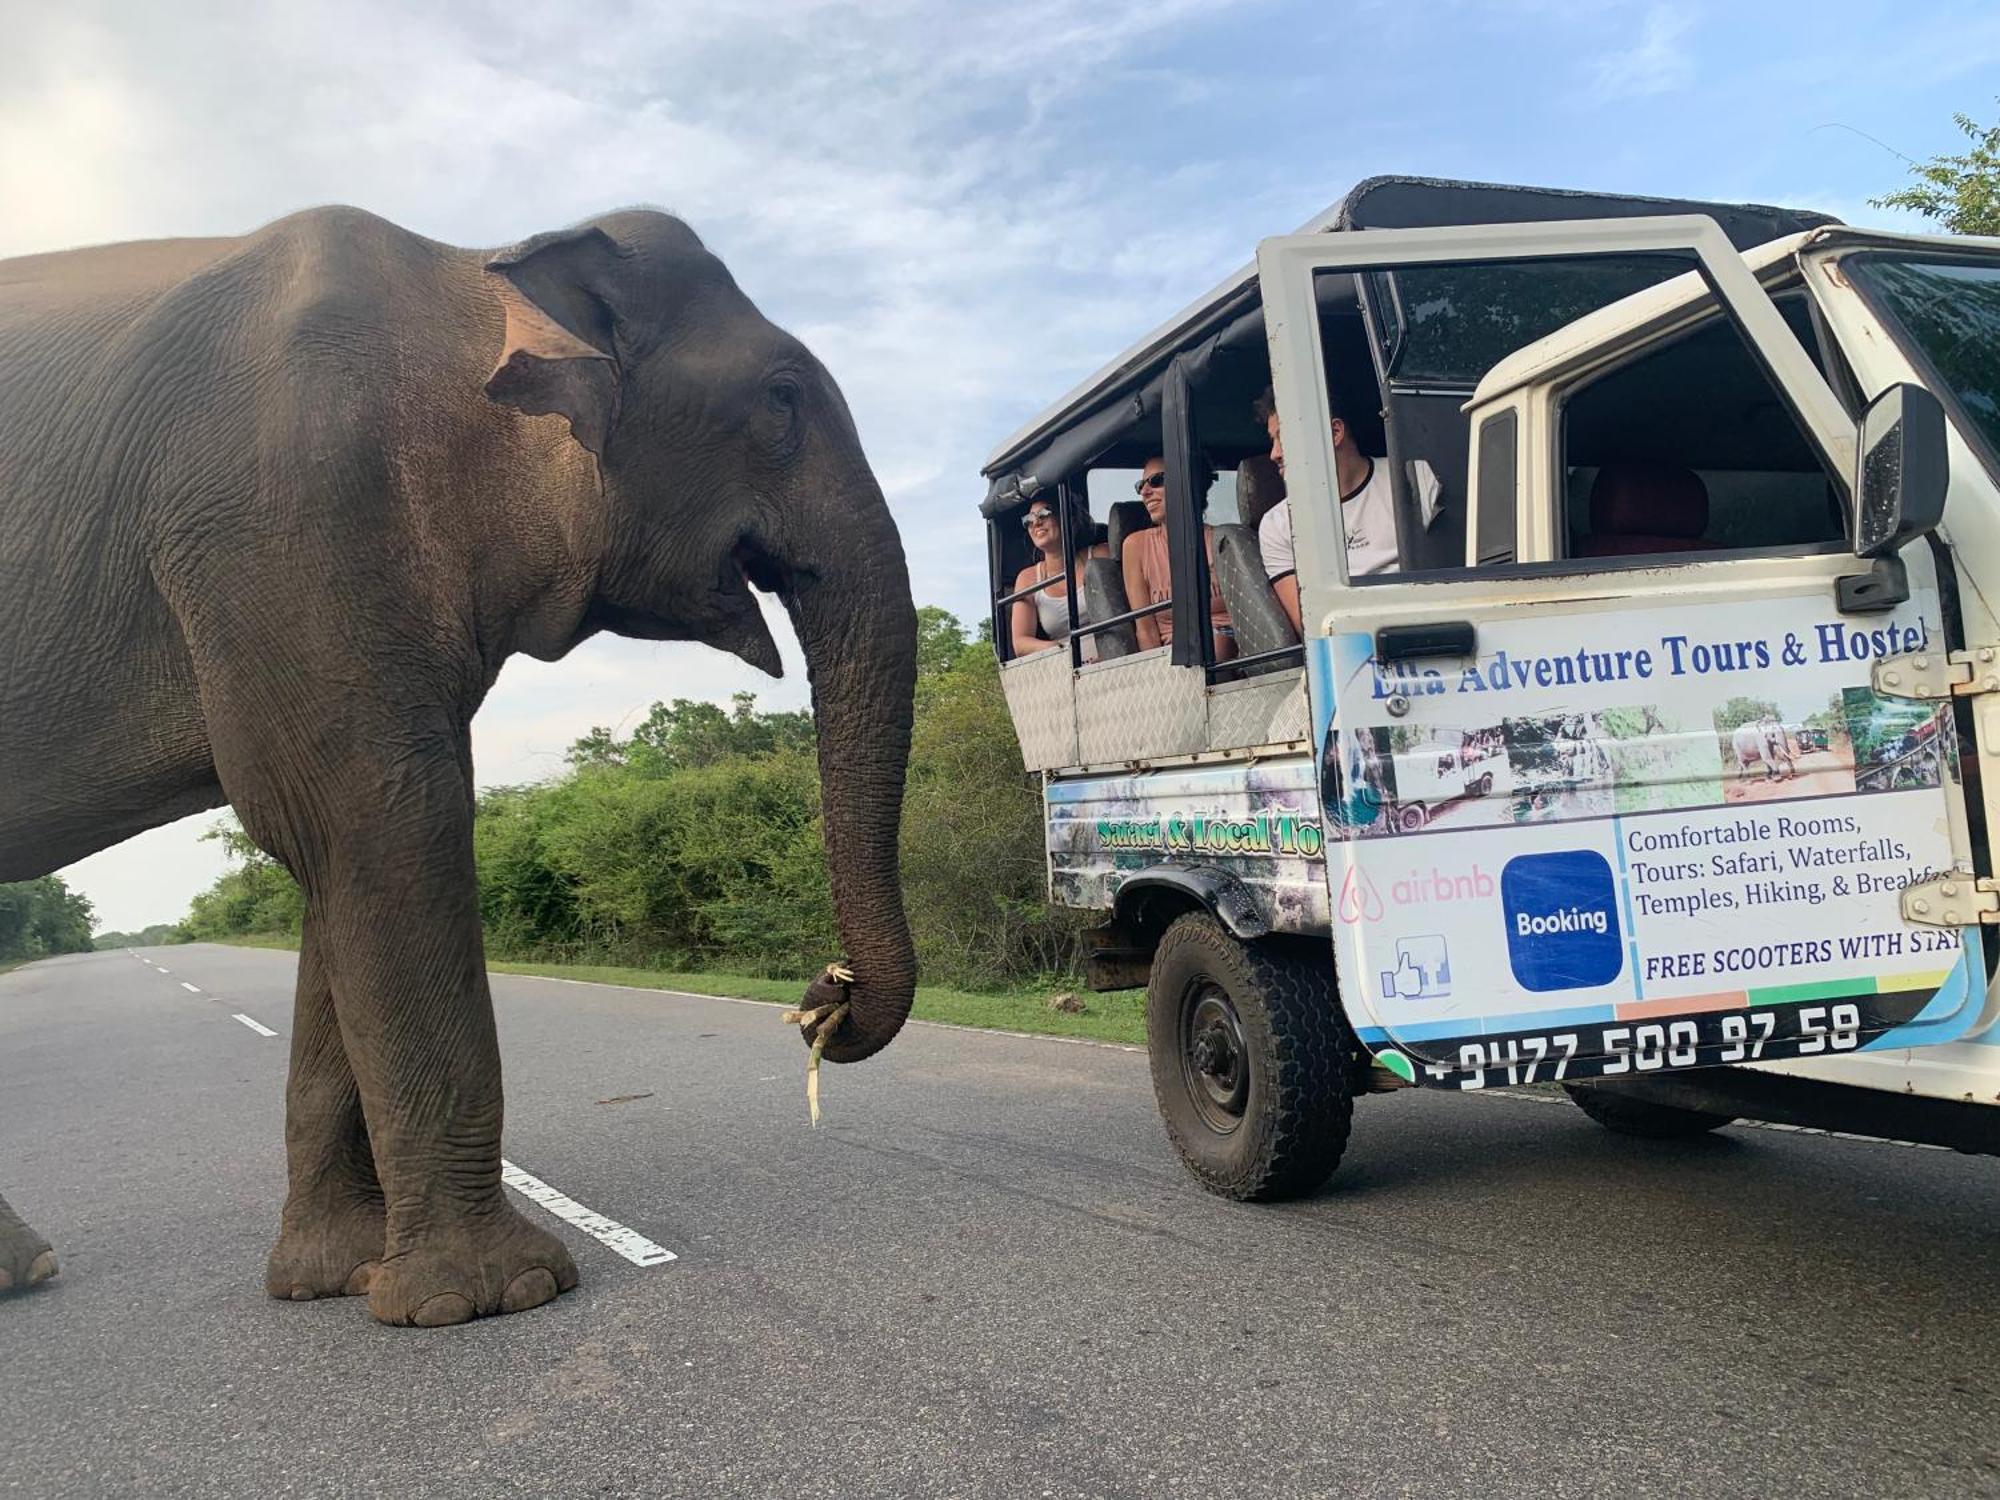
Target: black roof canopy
x,y
1121,401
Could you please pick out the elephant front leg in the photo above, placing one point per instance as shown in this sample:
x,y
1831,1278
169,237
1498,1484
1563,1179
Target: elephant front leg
x,y
427,1059
25,1257
399,928
331,1239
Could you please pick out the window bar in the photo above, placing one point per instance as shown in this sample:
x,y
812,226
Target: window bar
x,y
1033,588
1095,626
1065,503
1003,636
1245,666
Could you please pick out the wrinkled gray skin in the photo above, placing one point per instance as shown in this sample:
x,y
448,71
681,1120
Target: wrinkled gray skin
x,y
274,510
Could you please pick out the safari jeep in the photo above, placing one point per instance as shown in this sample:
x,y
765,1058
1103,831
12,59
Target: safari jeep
x,y
1652,768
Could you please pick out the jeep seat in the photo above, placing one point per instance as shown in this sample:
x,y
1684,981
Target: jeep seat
x,y
1641,508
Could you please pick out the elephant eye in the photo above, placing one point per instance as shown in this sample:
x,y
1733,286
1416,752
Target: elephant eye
x,y
784,395
785,400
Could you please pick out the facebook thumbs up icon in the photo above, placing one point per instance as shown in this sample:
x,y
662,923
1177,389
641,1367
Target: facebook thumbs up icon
x,y
1422,972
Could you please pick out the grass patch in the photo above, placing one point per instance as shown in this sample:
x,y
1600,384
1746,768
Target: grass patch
x,y
1119,1016
279,940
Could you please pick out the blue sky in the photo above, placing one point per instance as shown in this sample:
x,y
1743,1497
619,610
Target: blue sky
x,y
963,209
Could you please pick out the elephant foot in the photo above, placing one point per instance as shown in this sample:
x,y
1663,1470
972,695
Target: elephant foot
x,y
496,1263
327,1253
25,1258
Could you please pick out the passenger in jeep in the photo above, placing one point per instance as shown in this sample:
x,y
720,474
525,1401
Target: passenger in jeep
x,y
1367,510
1041,621
1148,579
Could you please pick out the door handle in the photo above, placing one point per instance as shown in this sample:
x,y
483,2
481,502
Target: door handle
x,y
1439,638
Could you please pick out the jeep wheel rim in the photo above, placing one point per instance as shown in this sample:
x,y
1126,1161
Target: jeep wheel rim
x,y
1214,1063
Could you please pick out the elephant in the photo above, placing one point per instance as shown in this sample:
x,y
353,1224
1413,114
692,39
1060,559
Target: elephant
x,y
274,509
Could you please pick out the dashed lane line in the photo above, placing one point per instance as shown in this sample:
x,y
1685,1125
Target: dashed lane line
x,y
257,1026
629,1243
192,989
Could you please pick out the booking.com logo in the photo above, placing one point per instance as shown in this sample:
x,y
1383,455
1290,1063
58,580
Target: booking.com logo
x,y
1438,887
1562,920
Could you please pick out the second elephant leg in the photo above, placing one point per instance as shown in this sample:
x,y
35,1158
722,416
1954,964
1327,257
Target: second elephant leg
x,y
25,1257
330,1241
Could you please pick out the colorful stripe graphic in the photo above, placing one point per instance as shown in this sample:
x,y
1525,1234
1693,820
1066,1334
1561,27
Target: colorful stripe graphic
x,y
1781,994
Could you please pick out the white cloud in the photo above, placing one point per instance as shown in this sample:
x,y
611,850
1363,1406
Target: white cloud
x,y
1658,62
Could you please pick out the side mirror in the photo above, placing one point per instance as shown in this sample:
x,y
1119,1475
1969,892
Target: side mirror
x,y
1900,481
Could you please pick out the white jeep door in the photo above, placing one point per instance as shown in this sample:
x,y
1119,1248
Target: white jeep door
x,y
1619,802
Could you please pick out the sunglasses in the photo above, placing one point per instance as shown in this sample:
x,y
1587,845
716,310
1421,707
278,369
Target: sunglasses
x,y
1037,515
1151,482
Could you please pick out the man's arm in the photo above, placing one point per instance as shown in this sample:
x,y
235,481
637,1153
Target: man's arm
x,y
1287,591
1274,546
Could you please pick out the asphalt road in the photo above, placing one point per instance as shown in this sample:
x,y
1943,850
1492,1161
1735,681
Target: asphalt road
x,y
984,1275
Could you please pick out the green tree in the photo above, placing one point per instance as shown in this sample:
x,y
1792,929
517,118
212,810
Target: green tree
x,y
1961,192
940,641
1739,711
146,937
259,896
692,732
42,917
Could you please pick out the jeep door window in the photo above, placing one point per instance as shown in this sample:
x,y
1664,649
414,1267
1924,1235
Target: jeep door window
x,y
1945,314
1448,325
1404,350
1686,447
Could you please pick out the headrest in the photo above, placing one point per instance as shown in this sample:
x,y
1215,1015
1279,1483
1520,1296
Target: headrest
x,y
1648,499
1259,486
1127,516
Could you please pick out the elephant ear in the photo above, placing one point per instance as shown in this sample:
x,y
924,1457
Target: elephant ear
x,y
559,355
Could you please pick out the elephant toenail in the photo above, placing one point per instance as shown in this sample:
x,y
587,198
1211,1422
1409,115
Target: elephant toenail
x,y
443,1310
301,1293
6,1279
530,1289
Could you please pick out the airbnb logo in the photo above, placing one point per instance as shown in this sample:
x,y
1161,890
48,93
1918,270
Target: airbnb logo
x,y
1434,886
1359,900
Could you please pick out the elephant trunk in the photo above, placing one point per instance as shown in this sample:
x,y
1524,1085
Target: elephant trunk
x,y
858,628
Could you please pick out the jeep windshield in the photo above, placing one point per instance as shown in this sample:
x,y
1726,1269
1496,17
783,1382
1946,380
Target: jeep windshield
x,y
1946,315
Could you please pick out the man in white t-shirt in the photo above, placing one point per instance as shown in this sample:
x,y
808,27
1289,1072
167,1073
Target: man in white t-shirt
x,y
1367,512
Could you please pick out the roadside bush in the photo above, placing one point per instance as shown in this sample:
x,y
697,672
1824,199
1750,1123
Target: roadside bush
x,y
695,842
258,897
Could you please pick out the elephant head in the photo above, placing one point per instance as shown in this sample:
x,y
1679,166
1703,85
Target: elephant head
x,y
724,458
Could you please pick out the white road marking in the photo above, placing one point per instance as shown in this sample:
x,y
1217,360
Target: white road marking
x,y
192,989
163,968
256,1026
629,1243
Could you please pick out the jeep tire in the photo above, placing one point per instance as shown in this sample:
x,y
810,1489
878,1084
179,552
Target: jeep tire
x,y
1253,1063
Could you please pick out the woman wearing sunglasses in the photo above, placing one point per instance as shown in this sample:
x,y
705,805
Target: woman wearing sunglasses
x,y
1041,620
1149,580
